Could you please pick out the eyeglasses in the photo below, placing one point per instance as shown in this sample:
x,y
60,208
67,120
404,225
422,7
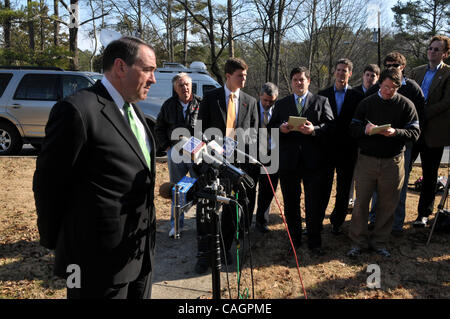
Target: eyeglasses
x,y
394,65
387,88
433,49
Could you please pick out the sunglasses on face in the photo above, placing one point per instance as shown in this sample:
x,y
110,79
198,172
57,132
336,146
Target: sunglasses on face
x,y
433,49
394,65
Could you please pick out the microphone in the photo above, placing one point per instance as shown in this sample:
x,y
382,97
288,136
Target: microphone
x,y
165,190
230,146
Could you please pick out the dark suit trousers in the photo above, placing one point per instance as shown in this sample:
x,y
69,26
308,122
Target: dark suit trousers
x,y
265,195
290,182
431,159
314,183
345,166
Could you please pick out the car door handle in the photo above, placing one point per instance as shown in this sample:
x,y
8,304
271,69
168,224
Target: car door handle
x,y
16,106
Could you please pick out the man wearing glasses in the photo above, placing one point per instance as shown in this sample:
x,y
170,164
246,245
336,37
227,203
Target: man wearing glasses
x,y
380,164
410,89
434,78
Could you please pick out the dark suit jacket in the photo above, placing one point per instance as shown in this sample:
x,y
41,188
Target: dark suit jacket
x,y
436,129
213,114
341,138
94,191
296,147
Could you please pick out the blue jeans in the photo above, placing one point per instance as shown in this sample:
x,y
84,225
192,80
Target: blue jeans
x,y
176,172
399,215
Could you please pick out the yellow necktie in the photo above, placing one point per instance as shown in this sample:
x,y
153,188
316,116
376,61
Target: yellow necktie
x,y
231,116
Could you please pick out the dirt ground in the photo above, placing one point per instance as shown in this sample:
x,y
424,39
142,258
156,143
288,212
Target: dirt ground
x,y
414,270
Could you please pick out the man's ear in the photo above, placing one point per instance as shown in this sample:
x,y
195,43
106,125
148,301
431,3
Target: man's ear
x,y
120,67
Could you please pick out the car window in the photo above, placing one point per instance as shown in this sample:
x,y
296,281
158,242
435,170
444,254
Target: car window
x,y
73,83
4,80
38,87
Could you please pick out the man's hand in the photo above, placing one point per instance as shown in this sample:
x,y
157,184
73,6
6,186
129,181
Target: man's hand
x,y
306,128
388,132
285,128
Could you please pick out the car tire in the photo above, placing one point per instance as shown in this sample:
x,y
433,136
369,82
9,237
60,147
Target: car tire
x,y
10,140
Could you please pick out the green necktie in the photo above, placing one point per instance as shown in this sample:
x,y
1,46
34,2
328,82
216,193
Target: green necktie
x,y
139,137
299,106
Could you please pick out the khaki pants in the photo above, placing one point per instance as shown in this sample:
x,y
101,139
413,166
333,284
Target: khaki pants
x,y
384,175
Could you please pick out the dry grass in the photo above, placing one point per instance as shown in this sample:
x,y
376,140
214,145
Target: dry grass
x,y
413,271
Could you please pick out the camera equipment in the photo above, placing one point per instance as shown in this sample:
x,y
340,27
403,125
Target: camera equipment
x,y
217,179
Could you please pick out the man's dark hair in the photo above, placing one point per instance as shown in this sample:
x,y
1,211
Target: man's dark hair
x,y
270,89
396,57
234,64
391,73
300,69
372,68
346,62
125,48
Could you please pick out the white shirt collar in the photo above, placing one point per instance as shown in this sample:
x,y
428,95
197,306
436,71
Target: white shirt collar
x,y
117,98
228,92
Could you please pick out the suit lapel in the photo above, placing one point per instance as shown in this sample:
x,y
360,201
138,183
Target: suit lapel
x,y
222,105
243,109
308,102
437,79
112,113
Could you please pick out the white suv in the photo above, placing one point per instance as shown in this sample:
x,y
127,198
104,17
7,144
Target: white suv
x,y
27,95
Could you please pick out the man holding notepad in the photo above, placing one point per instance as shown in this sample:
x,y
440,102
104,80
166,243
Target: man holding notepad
x,y
302,155
380,164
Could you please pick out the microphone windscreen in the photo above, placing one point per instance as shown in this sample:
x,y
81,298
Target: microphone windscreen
x,y
165,190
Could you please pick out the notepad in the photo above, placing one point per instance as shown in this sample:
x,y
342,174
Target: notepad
x,y
379,129
296,121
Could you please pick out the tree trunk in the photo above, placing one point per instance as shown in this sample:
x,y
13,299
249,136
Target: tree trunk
x,y
313,35
185,34
73,36
7,27
278,37
56,23
230,28
30,26
214,67
41,26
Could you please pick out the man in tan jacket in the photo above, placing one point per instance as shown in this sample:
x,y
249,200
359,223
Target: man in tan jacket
x,y
434,79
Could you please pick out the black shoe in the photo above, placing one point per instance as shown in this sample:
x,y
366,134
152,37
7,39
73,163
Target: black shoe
x,y
336,230
420,222
262,227
227,258
201,266
397,233
383,252
354,252
316,252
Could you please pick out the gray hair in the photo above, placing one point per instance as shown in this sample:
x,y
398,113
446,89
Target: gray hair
x,y
180,76
270,89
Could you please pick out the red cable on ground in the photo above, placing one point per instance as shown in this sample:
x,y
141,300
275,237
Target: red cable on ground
x,y
287,230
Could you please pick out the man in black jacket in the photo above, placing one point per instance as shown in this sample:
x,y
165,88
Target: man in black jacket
x,y
380,164
227,111
342,147
371,73
302,151
95,177
178,116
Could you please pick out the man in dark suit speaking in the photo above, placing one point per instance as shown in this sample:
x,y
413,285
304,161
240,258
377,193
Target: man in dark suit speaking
x,y
94,180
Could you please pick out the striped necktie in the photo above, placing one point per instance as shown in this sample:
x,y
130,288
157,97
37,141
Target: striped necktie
x,y
139,137
299,106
